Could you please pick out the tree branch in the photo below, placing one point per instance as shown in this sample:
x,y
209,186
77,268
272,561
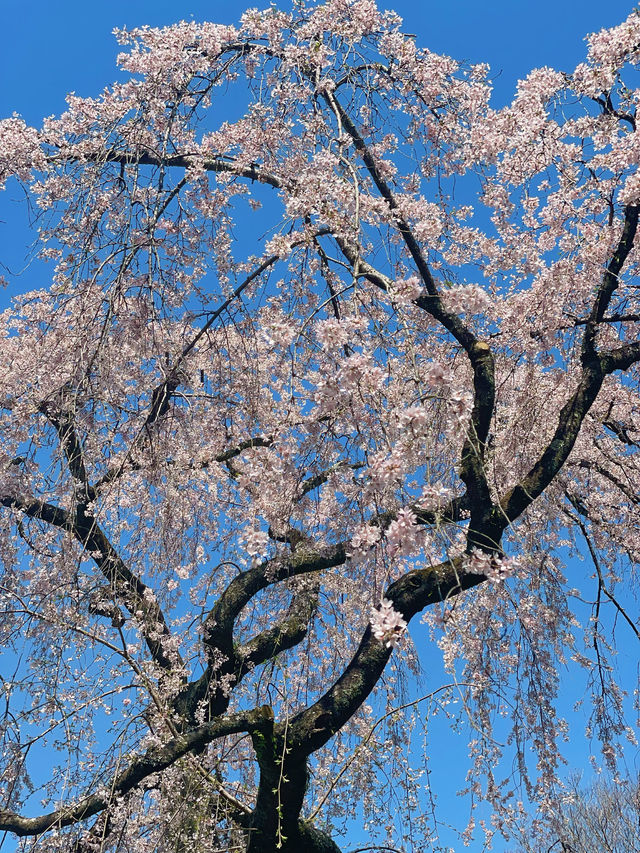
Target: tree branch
x,y
218,626
313,727
136,596
482,530
610,282
155,759
185,161
285,635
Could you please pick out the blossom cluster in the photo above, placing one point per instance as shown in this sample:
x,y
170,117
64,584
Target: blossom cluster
x,y
387,623
494,567
20,150
256,542
403,534
365,538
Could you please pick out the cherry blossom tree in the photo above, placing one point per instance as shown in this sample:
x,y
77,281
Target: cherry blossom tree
x,y
327,342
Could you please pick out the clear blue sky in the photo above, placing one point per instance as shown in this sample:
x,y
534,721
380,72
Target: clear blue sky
x,y
51,48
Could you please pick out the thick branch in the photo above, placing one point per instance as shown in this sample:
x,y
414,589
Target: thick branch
x,y
621,358
285,635
218,626
472,471
610,281
154,760
61,418
190,161
220,622
431,303
312,728
480,356
126,586
557,451
472,462
41,510
595,367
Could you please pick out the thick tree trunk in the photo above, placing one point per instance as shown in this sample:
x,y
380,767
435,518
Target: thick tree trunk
x,y
276,826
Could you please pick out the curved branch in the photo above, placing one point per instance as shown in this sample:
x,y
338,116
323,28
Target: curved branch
x,y
285,635
137,597
313,727
218,626
155,759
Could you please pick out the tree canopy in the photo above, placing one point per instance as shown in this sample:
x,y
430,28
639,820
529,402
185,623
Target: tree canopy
x,y
327,343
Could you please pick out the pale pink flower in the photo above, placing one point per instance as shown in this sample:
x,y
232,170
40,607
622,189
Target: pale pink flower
x,y
332,334
256,542
494,567
402,533
387,624
365,537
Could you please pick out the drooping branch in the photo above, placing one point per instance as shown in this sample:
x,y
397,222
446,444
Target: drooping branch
x,y
163,393
126,587
154,760
313,727
282,748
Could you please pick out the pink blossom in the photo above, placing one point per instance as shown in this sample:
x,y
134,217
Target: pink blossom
x,y
387,624
365,538
20,150
332,333
402,533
